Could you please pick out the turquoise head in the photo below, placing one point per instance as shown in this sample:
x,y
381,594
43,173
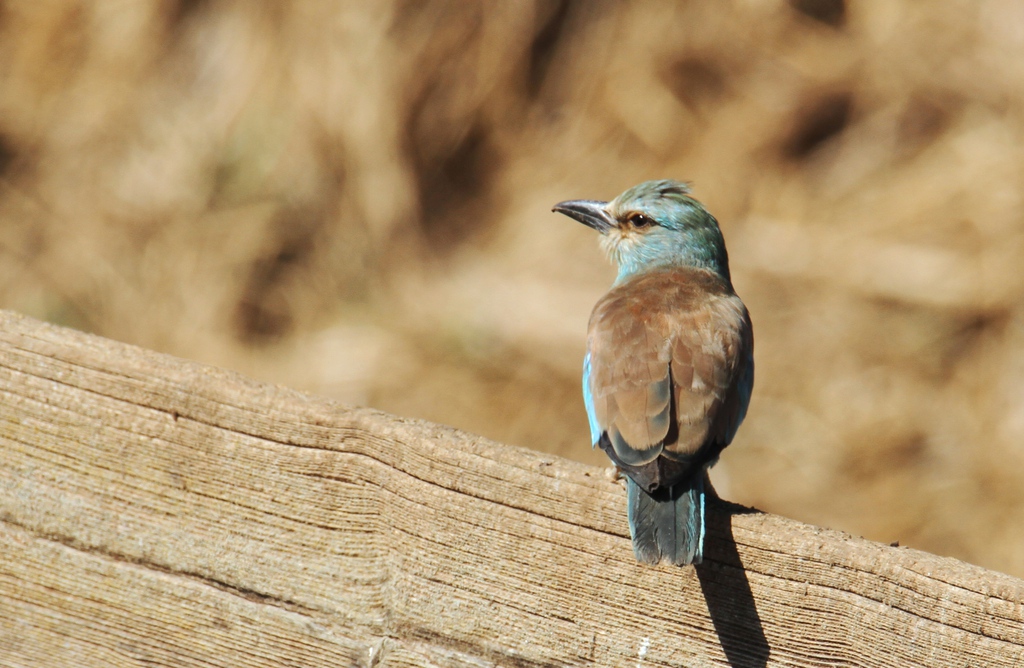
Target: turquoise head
x,y
652,225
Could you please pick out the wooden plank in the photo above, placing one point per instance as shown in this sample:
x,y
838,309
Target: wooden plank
x,y
155,511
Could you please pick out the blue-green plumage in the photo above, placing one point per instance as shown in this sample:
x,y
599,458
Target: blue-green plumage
x,y
669,366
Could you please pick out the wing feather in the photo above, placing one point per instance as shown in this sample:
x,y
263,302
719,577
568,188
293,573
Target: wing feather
x,y
670,343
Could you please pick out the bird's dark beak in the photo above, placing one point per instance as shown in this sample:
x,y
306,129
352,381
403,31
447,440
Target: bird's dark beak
x,y
589,212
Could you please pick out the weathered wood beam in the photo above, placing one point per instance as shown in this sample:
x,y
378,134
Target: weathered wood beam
x,y
155,511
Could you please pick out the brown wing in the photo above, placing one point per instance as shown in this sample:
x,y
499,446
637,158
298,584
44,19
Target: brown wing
x,y
629,376
712,371
672,333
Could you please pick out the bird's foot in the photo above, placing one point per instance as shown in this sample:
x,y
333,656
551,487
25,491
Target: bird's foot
x,y
614,474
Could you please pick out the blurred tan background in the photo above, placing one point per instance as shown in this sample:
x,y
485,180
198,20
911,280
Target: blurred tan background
x,y
353,199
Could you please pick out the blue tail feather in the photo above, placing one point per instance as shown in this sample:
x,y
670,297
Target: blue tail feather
x,y
668,525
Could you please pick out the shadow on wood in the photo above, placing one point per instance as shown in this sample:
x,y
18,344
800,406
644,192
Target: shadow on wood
x,y
727,592
155,511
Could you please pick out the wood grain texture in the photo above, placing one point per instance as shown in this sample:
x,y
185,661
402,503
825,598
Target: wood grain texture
x,y
155,511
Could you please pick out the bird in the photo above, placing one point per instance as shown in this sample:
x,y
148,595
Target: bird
x,y
669,367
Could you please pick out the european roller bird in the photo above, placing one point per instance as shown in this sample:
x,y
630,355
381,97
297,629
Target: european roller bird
x,y
669,365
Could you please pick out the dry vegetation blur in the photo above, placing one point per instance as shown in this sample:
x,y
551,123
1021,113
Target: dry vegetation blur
x,y
353,199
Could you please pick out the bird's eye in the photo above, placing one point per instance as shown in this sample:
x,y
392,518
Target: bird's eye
x,y
640,220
